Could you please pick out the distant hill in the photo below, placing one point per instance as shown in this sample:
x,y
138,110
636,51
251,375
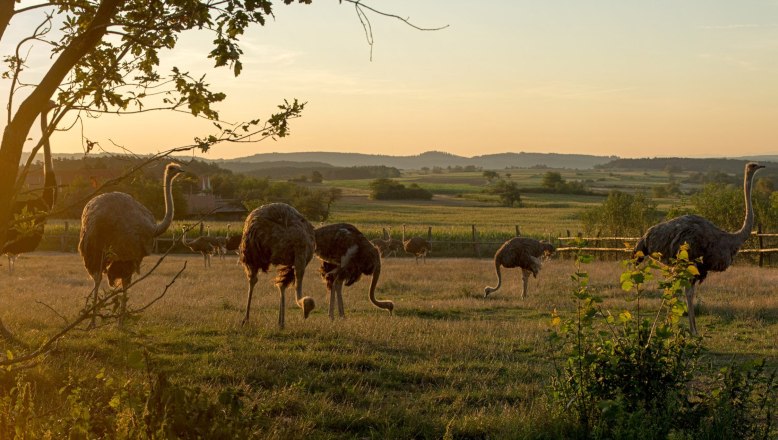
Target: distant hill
x,y
728,166
431,159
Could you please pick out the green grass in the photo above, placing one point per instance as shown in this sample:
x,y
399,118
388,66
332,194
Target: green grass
x,y
447,361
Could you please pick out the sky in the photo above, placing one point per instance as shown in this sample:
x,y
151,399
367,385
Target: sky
x,y
694,78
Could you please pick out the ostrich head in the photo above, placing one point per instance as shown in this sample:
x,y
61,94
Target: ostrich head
x,y
548,249
752,167
308,305
172,170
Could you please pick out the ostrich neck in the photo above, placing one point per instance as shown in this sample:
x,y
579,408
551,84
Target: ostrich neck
x,y
168,218
748,223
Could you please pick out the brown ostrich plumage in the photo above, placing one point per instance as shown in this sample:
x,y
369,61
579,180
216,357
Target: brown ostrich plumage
x,y
417,246
346,255
276,234
716,247
117,232
523,252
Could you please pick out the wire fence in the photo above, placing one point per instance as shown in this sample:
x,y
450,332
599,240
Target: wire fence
x,y
760,249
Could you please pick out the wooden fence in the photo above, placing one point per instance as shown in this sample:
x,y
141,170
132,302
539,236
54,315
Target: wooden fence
x,y
475,246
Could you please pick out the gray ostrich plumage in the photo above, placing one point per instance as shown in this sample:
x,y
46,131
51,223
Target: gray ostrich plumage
x,y
346,255
19,240
276,234
117,232
417,246
523,252
201,245
716,247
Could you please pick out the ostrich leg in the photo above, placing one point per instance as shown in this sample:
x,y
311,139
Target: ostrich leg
x,y
252,283
335,296
282,295
98,278
690,307
123,300
525,281
341,312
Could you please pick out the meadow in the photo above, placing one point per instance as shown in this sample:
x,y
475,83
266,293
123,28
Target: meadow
x,y
447,363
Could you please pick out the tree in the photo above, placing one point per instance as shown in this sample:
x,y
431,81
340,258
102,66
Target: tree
x,y
316,177
508,191
621,213
552,179
490,175
105,57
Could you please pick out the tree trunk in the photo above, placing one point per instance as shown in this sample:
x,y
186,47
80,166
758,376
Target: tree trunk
x,y
6,12
19,127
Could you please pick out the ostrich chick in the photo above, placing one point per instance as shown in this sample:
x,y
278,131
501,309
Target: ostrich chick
x,y
346,255
522,252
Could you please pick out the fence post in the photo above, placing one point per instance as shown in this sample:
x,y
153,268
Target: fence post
x,y
761,244
518,233
476,248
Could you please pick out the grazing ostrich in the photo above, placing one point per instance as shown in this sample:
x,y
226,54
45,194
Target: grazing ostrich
x,y
716,247
418,246
523,252
279,235
117,232
201,245
20,241
346,255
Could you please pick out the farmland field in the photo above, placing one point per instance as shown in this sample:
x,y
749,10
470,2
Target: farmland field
x,y
447,361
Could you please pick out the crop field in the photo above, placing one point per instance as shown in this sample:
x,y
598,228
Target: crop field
x,y
447,363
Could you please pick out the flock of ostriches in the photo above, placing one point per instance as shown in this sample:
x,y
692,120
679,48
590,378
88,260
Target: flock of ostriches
x,y
117,232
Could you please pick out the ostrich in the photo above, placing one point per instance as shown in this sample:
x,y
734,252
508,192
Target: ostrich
x,y
418,246
201,245
522,252
279,235
117,232
393,245
232,243
346,255
381,245
716,247
22,241
218,243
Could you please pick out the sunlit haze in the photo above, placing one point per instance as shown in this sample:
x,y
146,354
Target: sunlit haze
x,y
626,78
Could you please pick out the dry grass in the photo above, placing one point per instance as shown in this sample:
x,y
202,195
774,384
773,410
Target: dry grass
x,y
447,358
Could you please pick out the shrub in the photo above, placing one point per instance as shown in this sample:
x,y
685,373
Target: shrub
x,y
620,214
388,189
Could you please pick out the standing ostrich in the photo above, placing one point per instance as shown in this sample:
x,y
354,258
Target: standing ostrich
x,y
716,247
279,235
201,245
346,255
117,232
393,245
418,246
20,241
523,252
381,245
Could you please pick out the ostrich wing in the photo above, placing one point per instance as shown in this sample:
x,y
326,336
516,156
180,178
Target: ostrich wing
x,y
716,246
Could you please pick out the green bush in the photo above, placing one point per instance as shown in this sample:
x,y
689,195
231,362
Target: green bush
x,y
388,189
621,214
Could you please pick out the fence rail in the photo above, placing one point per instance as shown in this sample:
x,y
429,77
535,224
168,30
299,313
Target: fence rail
x,y
474,245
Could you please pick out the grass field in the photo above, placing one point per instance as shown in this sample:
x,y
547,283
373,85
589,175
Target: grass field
x,y
447,362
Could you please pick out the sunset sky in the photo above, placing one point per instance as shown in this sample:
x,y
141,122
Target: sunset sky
x,y
616,77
